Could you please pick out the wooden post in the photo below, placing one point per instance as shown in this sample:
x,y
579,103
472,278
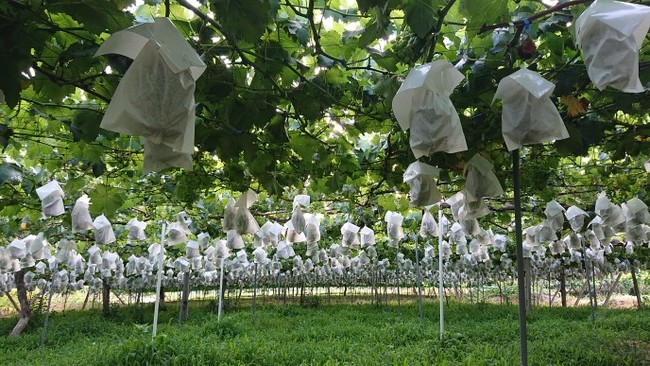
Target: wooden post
x,y
106,297
185,300
639,302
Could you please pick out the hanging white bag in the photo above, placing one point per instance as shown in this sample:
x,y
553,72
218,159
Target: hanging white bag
x,y
421,180
51,196
481,180
554,215
103,230
422,104
81,219
136,229
609,34
245,223
312,228
155,98
367,236
349,235
429,226
159,156
529,116
576,217
394,227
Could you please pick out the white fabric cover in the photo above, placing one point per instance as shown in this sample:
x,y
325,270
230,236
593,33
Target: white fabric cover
x,y
103,230
609,34
51,196
422,104
481,180
155,98
420,178
529,116
81,219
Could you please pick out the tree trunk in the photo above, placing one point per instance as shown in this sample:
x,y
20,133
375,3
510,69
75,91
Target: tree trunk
x,y
185,300
25,311
106,297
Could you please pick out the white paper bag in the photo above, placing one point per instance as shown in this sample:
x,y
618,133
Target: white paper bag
x,y
158,157
421,179
367,236
51,196
611,214
81,219
312,228
554,215
422,104
298,219
481,180
155,98
576,218
636,212
177,234
429,226
103,230
136,229
234,240
394,227
229,211
609,34
244,221
529,116
349,235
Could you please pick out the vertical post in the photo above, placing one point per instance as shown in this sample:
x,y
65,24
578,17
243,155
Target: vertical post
x,y
161,258
47,317
254,289
592,298
398,279
523,340
440,284
635,283
220,290
419,278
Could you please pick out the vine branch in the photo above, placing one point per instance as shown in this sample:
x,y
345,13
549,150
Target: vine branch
x,y
520,23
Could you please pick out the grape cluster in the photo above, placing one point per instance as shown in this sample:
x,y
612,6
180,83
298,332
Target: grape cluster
x,y
408,48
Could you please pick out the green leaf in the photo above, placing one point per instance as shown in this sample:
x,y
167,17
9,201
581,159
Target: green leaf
x,y
5,134
97,16
421,16
85,125
386,59
304,146
106,200
365,5
482,12
243,19
10,173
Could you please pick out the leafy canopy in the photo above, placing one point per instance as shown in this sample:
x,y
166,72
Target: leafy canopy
x,y
297,98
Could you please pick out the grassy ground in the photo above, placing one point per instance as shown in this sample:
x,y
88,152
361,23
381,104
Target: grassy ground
x,y
477,334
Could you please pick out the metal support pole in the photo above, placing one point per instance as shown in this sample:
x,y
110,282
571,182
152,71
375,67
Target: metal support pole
x,y
220,290
161,258
47,318
440,284
523,340
419,279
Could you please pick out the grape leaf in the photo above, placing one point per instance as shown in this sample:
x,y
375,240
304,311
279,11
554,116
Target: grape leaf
x,y
10,173
421,16
106,200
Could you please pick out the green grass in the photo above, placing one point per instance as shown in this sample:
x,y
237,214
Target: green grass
x,y
483,334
